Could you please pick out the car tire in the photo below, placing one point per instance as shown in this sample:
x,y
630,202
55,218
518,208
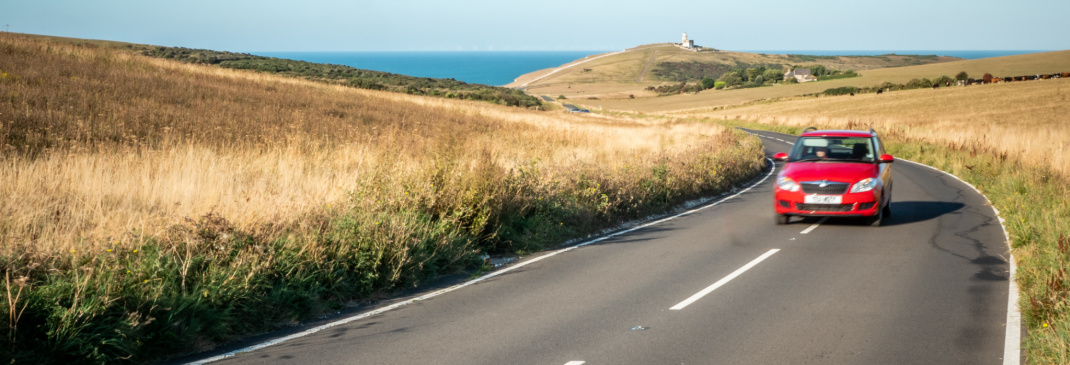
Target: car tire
x,y
878,219
782,219
887,211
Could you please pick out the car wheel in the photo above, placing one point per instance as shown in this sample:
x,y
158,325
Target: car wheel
x,y
878,219
782,219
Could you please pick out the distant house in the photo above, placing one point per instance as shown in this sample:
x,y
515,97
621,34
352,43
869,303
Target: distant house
x,y
800,74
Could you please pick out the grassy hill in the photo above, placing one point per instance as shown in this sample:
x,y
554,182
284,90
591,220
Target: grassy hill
x,y
631,71
1027,64
153,207
329,73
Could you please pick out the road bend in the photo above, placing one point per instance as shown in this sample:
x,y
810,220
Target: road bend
x,y
928,287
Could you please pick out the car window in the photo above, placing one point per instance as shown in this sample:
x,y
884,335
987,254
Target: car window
x,y
851,149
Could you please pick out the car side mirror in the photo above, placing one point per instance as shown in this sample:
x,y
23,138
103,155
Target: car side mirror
x,y
782,156
887,159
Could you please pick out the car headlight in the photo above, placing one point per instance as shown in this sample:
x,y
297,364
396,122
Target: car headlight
x,y
788,184
865,185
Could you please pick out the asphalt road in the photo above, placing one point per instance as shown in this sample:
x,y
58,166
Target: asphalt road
x,y
928,287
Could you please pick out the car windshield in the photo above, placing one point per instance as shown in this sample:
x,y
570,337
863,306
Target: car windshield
x,y
839,149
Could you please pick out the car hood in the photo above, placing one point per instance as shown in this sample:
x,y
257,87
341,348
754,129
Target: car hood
x,y
831,171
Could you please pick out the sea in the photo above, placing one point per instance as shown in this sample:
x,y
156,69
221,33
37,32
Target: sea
x,y
486,67
502,67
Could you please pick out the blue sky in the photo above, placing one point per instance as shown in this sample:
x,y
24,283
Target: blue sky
x,y
509,25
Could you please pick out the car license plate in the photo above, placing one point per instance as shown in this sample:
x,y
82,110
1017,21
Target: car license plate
x,y
823,199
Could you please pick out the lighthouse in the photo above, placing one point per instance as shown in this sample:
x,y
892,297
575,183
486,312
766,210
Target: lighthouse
x,y
686,44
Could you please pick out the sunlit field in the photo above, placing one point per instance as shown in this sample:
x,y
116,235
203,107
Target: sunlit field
x,y
1025,120
141,196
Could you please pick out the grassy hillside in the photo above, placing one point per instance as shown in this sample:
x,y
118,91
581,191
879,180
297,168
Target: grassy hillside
x,y
1010,140
1028,64
628,73
329,73
153,207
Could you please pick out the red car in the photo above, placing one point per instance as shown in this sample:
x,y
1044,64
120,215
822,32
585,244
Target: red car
x,y
834,173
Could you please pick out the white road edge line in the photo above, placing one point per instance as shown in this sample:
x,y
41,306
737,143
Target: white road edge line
x,y
575,363
813,227
724,281
772,169
1012,345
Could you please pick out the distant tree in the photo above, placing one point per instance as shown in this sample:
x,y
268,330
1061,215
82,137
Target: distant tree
x,y
943,81
790,80
731,79
759,80
708,83
962,76
915,83
719,85
772,75
560,97
752,73
818,70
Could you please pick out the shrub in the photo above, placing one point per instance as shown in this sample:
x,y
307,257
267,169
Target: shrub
x,y
841,90
708,83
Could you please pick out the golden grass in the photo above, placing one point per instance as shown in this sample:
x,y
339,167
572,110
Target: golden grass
x,y
102,146
1025,120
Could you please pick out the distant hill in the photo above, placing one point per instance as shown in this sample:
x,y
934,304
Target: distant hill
x,y
630,72
335,74
364,79
1025,64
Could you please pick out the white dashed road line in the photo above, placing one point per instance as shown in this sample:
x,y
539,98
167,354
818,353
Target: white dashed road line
x,y
724,281
813,227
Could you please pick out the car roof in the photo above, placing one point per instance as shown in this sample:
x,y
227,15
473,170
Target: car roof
x,y
837,133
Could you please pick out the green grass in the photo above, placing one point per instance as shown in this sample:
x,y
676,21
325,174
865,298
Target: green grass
x,y
1032,202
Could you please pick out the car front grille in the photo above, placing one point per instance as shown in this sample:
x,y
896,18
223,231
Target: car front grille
x,y
830,188
824,207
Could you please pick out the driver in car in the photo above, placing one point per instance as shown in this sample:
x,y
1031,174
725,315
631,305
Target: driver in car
x,y
822,152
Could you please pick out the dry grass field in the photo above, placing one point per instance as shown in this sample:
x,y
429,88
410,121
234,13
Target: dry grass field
x,y
142,197
1022,119
96,161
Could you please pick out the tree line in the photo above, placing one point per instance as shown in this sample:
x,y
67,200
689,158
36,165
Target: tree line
x,y
719,76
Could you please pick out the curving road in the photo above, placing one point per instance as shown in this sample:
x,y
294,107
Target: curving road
x,y
928,287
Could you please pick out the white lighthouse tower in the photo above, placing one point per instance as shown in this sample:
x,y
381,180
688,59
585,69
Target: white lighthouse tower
x,y
687,44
